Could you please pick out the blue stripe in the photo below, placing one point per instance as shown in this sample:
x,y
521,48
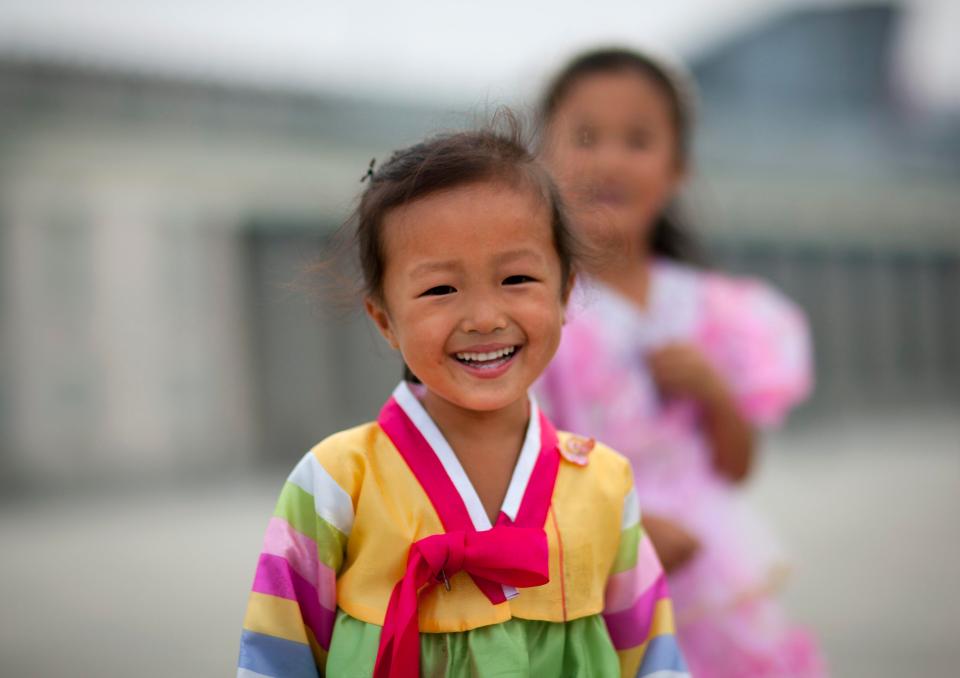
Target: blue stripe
x,y
663,654
272,656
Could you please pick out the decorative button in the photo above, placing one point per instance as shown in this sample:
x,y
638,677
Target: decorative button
x,y
577,449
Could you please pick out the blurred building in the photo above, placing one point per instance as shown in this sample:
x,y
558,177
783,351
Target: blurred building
x,y
153,231
821,173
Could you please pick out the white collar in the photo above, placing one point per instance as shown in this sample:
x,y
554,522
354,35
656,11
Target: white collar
x,y
527,459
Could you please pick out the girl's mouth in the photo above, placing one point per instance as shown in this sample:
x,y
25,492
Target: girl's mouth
x,y
606,195
488,363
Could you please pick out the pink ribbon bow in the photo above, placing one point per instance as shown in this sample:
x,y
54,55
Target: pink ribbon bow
x,y
516,556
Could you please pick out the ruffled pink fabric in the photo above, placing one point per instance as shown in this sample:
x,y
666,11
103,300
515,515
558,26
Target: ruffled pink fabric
x,y
759,340
752,641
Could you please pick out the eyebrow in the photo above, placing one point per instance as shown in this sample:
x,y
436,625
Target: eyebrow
x,y
429,267
524,253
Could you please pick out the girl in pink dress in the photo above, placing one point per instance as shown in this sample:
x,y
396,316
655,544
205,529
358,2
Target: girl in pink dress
x,y
674,366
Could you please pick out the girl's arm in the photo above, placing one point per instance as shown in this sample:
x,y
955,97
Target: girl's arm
x,y
637,609
674,545
731,436
682,370
758,341
292,607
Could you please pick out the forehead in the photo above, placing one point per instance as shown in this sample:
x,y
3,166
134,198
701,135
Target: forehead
x,y
470,221
616,96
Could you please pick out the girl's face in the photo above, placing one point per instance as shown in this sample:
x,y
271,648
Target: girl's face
x,y
612,146
473,294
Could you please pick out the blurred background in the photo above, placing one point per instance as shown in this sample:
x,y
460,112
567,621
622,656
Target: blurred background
x,y
166,174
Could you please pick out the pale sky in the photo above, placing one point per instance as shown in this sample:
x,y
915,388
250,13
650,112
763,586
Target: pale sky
x,y
457,51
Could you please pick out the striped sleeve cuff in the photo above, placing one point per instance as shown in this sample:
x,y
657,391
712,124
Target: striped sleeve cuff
x,y
292,607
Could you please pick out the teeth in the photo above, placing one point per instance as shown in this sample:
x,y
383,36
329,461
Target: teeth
x,y
484,357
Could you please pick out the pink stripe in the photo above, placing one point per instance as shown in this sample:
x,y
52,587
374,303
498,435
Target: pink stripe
x,y
429,472
624,587
539,492
630,627
301,552
426,467
276,577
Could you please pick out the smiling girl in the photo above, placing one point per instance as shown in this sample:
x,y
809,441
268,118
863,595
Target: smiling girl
x,y
461,512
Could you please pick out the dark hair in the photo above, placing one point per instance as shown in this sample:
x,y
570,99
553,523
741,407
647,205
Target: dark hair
x,y
497,152
671,236
447,161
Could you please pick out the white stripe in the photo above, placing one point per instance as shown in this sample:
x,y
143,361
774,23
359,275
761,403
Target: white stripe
x,y
247,673
421,419
666,674
529,454
330,500
631,510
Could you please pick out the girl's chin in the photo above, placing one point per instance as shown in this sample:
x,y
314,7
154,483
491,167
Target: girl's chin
x,y
489,402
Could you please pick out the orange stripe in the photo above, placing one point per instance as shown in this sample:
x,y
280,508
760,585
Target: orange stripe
x,y
563,591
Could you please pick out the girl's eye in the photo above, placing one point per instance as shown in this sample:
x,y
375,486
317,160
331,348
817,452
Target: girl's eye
x,y
638,140
439,291
518,279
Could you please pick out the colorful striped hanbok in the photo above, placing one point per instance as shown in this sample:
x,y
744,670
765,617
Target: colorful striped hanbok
x,y
380,560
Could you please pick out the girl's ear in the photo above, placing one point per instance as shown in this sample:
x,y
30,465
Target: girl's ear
x,y
378,313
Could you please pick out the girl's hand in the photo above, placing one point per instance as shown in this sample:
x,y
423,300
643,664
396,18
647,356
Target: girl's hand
x,y
674,544
681,370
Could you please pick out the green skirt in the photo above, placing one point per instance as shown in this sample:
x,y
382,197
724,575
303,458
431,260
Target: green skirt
x,y
515,648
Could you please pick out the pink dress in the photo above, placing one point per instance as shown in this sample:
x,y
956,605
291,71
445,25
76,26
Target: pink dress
x,y
599,385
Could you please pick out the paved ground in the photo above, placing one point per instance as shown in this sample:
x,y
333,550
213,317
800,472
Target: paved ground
x,y
153,584
870,510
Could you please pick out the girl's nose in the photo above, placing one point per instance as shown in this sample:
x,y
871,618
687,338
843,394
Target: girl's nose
x,y
610,157
483,316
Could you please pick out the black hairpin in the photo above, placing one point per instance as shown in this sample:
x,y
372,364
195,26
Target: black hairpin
x,y
369,172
